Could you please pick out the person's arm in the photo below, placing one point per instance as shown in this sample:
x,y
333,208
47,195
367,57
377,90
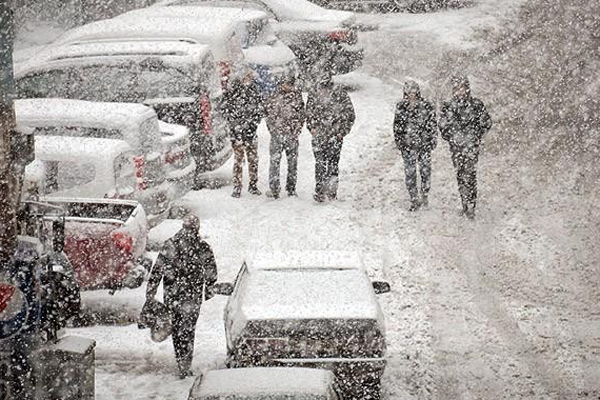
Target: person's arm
x,y
163,262
310,120
445,122
431,127
349,115
399,126
210,271
485,120
301,110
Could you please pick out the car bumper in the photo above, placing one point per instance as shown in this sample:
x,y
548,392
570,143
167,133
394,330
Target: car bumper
x,y
182,181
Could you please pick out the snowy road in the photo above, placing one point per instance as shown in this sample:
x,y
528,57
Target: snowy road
x,y
502,308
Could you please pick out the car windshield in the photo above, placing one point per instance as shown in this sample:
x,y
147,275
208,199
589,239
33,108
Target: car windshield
x,y
118,83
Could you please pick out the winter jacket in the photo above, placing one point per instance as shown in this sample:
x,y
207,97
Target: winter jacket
x,y
243,109
330,116
187,266
415,126
285,113
463,123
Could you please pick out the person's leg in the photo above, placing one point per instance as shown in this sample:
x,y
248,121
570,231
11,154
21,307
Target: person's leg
x,y
291,152
471,186
252,154
334,154
459,161
275,150
320,167
183,337
425,171
238,163
410,172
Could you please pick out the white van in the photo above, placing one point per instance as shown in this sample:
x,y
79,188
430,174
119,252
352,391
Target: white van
x,y
136,124
176,78
78,167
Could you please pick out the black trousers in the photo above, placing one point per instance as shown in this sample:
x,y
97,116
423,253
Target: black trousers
x,y
465,163
183,319
281,143
327,151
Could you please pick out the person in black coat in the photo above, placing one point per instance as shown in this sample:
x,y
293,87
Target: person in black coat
x,y
243,108
463,122
329,119
187,267
415,133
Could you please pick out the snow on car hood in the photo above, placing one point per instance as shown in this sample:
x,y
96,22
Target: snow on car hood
x,y
305,10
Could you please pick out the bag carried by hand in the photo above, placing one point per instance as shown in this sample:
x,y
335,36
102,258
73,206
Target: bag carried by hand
x,y
155,315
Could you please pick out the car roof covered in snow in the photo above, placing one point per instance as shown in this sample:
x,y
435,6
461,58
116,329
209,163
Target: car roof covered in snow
x,y
115,51
263,381
140,26
80,113
78,149
312,287
232,14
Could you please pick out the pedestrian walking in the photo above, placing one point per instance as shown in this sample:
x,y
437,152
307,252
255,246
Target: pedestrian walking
x,y
463,122
415,133
285,116
243,109
330,116
186,265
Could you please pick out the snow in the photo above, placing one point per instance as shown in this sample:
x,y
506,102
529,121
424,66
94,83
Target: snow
x,y
504,307
304,9
308,294
77,149
275,55
70,113
265,381
199,13
334,259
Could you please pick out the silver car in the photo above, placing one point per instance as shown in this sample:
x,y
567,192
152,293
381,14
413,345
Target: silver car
x,y
308,310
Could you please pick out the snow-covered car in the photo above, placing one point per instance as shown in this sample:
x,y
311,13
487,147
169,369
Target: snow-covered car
x,y
104,240
176,78
321,39
266,384
78,167
263,52
308,309
136,124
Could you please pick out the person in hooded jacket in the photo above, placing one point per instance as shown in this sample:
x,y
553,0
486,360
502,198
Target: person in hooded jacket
x,y
330,116
186,265
243,109
463,122
285,118
415,133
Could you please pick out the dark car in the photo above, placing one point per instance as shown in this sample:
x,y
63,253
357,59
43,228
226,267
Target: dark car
x,y
308,310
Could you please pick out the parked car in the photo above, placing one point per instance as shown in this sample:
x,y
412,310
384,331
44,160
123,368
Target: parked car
x,y
104,240
175,77
84,168
323,40
136,124
412,6
308,310
266,384
263,52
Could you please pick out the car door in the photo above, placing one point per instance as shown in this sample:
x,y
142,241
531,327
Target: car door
x,y
233,304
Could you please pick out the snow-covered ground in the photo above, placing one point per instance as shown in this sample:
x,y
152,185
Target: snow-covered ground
x,y
505,307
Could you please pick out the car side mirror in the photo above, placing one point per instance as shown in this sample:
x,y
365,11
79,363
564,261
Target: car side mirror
x,y
381,287
223,288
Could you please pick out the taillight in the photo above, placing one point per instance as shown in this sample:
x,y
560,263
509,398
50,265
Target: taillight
x,y
172,158
140,181
123,241
342,36
6,294
205,113
225,68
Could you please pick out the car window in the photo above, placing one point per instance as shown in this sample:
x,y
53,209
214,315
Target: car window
x,y
64,175
79,131
124,175
149,135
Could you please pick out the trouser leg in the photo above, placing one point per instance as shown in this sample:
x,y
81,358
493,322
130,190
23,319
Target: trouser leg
x,y
470,182
252,154
238,163
275,149
291,153
410,172
320,166
425,171
184,328
333,168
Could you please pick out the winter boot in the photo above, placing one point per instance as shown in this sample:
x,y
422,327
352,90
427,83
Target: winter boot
x,y
292,193
237,192
319,198
332,188
425,202
272,194
414,206
252,189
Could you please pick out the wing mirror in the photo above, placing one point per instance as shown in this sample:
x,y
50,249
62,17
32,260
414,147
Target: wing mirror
x,y
223,288
381,287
